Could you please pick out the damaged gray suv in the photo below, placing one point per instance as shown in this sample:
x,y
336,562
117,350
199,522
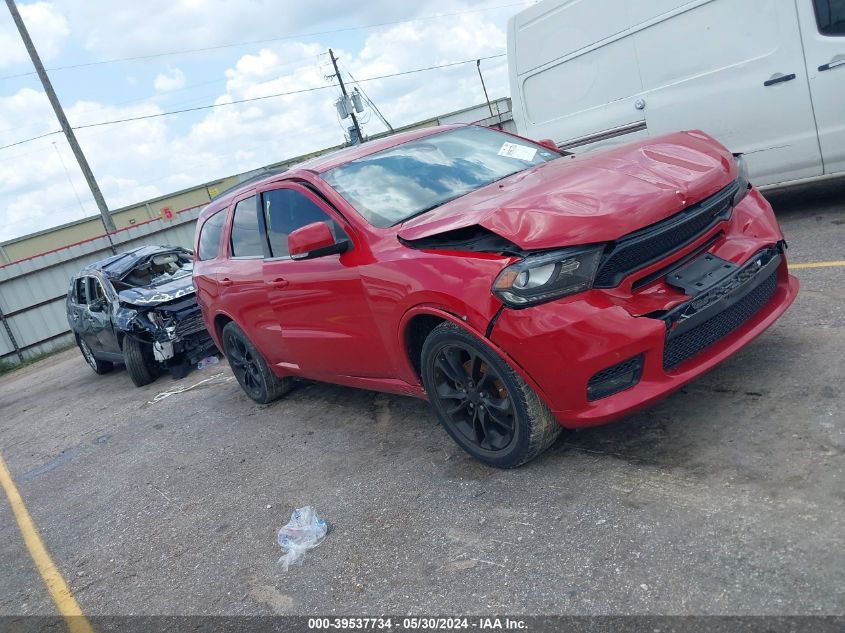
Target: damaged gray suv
x,y
139,308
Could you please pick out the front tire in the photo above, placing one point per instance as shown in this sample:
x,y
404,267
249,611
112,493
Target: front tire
x,y
136,357
250,368
487,408
99,366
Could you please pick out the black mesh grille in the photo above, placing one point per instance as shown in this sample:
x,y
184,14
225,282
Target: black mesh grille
x,y
684,346
190,325
599,385
639,249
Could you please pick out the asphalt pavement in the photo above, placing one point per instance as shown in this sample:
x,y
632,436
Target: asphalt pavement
x,y
726,498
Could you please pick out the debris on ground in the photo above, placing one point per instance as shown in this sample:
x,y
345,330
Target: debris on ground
x,y
304,531
182,389
207,362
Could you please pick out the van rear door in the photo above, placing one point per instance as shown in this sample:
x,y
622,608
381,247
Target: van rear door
x,y
734,69
823,29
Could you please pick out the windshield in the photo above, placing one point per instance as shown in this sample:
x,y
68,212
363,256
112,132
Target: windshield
x,y
391,186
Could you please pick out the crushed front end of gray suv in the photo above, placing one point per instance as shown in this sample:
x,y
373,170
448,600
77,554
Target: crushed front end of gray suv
x,y
139,308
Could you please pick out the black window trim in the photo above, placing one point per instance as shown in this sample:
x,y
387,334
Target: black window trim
x,y
320,200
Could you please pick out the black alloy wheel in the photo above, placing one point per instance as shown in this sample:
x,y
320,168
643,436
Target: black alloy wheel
x,y
250,368
487,408
478,405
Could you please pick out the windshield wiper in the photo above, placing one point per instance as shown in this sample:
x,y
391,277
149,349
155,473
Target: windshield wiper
x,y
442,202
432,207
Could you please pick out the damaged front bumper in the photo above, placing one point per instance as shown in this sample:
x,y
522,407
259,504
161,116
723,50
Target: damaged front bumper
x,y
603,354
176,331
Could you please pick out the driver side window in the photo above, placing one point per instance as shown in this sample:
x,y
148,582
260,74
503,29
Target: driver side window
x,y
88,290
286,210
97,291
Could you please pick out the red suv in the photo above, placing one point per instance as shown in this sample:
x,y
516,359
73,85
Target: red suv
x,y
517,288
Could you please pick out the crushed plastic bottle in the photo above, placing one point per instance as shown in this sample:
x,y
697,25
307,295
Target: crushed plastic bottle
x,y
207,362
304,531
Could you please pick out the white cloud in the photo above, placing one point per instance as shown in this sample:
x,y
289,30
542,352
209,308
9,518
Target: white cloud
x,y
141,159
155,25
47,27
172,79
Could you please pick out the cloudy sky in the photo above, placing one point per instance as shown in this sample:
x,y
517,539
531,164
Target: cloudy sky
x,y
111,61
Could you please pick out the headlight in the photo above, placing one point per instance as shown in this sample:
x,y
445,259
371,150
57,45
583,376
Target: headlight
x,y
744,179
547,276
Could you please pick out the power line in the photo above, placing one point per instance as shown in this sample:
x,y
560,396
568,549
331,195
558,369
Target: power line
x,y
27,140
280,94
270,96
372,105
269,40
191,86
205,107
420,70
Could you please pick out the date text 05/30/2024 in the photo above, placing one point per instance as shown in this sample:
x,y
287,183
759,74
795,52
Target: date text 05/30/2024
x,y
419,623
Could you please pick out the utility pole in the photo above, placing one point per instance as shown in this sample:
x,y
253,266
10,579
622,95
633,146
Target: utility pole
x,y
342,89
108,222
477,65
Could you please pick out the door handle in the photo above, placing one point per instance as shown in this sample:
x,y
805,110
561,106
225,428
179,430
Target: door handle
x,y
839,60
279,282
225,281
777,80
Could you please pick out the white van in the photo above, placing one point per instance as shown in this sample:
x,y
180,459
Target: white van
x,y
764,77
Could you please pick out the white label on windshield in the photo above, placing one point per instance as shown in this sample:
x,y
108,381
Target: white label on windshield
x,y
520,152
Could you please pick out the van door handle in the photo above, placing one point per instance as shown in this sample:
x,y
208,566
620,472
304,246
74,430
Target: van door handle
x,y
226,281
279,282
777,80
839,60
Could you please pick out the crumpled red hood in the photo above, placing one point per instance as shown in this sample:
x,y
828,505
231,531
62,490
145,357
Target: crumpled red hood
x,y
594,197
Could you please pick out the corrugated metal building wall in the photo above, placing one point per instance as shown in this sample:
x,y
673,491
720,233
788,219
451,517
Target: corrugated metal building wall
x,y
32,291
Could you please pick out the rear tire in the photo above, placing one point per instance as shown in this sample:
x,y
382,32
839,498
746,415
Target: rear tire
x,y
136,357
99,366
252,371
487,408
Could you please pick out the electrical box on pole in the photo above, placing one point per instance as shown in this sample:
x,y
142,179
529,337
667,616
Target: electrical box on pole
x,y
357,102
343,109
345,99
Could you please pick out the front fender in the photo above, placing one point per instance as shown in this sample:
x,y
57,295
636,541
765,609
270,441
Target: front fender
x,y
409,373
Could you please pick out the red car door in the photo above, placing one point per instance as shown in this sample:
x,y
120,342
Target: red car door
x,y
320,304
243,293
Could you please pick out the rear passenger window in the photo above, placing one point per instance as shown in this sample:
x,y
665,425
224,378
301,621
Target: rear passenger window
x,y
210,236
246,238
81,291
830,15
286,210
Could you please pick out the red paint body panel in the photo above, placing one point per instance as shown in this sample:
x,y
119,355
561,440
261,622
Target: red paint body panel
x,y
589,198
344,318
564,343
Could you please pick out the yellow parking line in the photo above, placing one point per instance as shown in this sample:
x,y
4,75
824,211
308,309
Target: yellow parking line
x,y
817,265
50,574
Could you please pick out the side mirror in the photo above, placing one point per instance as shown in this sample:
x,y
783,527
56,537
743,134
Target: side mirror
x,y
98,305
549,144
314,240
